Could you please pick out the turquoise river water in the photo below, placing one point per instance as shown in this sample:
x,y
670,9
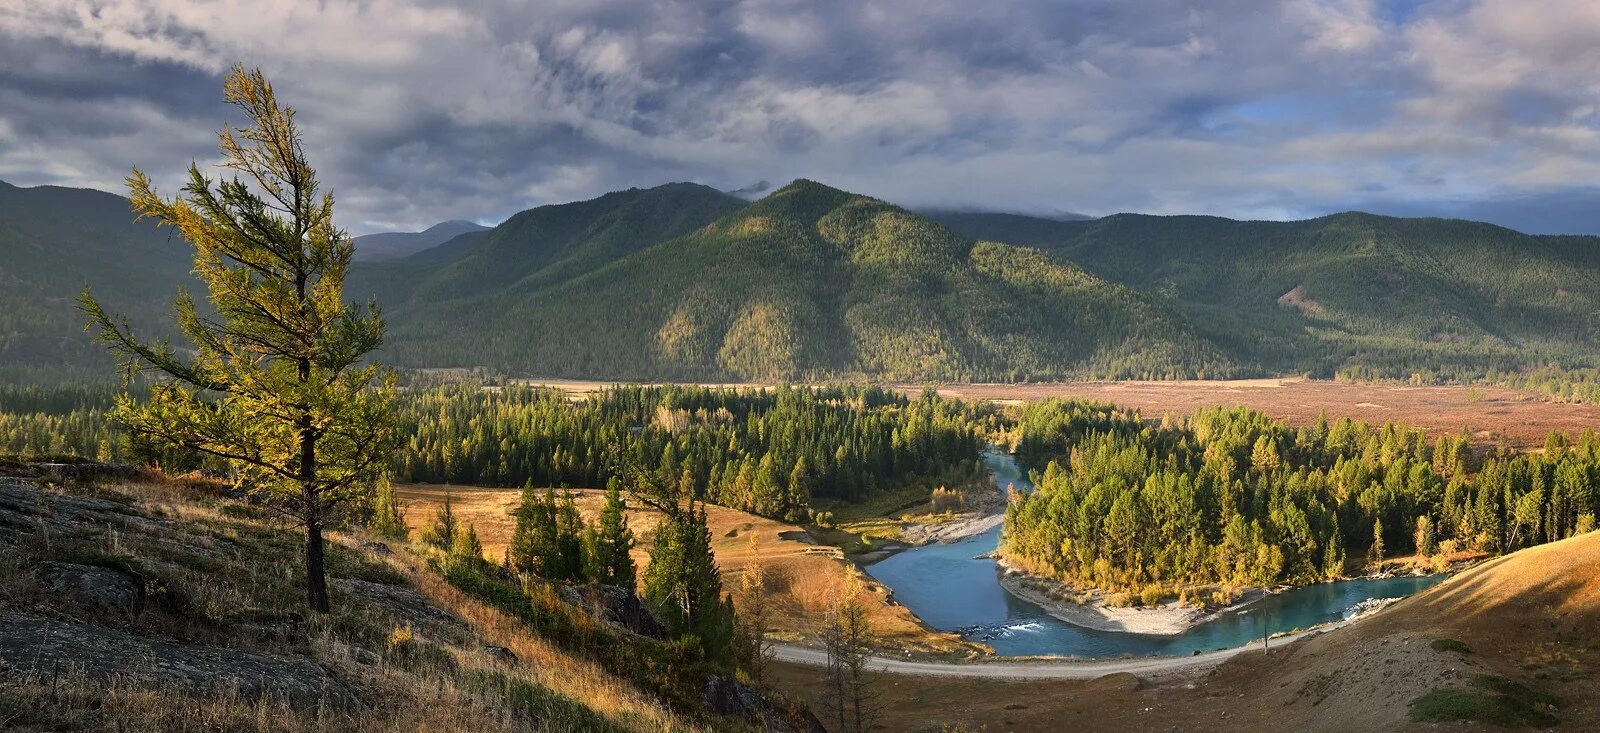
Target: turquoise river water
x,y
954,588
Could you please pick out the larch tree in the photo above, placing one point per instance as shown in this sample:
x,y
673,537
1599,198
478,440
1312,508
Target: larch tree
x,y
275,380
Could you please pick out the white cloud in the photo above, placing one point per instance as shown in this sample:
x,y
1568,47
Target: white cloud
x,y
420,111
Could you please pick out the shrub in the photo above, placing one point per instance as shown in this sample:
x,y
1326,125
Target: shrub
x,y
948,500
1152,595
1450,645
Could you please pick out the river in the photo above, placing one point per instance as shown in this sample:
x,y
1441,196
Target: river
x,y
953,588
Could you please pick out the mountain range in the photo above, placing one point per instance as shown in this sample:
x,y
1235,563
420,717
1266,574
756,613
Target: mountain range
x,y
395,245
683,281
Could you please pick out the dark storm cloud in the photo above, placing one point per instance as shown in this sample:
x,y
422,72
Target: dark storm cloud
x,y
418,112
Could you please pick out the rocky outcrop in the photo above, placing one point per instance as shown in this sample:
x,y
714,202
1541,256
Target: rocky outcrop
x,y
614,605
725,696
35,646
408,605
102,589
27,509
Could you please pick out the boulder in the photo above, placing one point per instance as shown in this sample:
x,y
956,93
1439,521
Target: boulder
x,y
500,654
730,697
614,605
92,587
38,647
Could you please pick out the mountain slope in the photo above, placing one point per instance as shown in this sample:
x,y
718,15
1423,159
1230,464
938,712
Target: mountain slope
x,y
396,245
1351,290
55,241
815,281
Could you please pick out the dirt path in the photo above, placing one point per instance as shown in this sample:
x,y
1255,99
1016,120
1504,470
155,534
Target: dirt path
x,y
1043,670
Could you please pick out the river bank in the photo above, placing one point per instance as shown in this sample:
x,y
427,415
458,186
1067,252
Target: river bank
x,y
1167,619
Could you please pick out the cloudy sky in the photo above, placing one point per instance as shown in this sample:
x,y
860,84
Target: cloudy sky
x,y
421,111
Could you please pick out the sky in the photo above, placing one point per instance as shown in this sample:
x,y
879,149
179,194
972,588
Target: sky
x,y
417,112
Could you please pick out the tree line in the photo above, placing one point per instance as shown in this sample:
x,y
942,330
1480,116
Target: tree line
x,y
1230,496
769,452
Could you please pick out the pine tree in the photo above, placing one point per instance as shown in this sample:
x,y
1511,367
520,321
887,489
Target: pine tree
x,y
1375,553
524,555
465,545
1427,545
798,501
568,561
683,585
610,561
442,533
388,518
276,385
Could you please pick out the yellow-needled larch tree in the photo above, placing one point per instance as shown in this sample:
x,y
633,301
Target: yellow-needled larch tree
x,y
274,379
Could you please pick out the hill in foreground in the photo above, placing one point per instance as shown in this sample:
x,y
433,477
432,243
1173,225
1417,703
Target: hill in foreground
x,y
140,603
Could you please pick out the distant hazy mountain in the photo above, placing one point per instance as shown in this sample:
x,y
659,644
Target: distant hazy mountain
x,y
55,241
395,245
684,281
753,191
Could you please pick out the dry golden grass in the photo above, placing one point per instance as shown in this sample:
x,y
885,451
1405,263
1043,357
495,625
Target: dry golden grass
x,y
801,576
227,559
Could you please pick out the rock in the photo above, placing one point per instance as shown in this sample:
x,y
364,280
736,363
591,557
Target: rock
x,y
35,646
27,509
408,605
88,471
614,605
501,654
732,698
365,656
289,627
376,548
93,587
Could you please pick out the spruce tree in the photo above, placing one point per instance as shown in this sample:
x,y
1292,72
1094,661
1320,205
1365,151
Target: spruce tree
x,y
272,381
610,561
442,533
683,585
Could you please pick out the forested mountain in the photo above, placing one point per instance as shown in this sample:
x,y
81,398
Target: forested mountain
x,y
55,241
808,281
682,281
396,245
1371,295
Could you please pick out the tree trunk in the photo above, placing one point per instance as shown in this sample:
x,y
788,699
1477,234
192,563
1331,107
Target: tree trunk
x,y
316,577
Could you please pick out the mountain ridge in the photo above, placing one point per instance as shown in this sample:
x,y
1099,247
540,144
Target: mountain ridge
x,y
815,282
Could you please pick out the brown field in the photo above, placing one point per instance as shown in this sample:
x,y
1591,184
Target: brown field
x,y
1517,419
802,575
1514,418
1532,617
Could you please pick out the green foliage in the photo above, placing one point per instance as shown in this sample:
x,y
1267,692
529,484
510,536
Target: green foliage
x,y
1450,645
683,585
764,451
1491,699
1231,496
387,518
611,540
1362,296
442,532
276,385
